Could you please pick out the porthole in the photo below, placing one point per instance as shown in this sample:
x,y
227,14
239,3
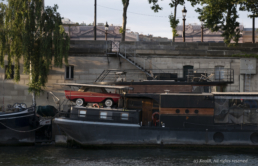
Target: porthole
x,y
178,111
254,138
187,111
218,137
196,111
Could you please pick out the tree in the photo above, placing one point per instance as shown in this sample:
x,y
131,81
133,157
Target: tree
x,y
123,29
220,15
173,21
250,6
33,32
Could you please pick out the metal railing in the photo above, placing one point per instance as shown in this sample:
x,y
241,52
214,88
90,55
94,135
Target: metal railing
x,y
211,75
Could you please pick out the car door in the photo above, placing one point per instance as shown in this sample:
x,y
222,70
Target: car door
x,y
97,95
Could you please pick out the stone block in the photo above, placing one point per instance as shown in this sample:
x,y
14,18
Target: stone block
x,y
20,87
55,77
95,71
202,48
24,76
26,92
216,53
61,81
20,92
26,82
77,77
52,81
227,65
87,77
196,65
18,98
203,44
14,93
69,81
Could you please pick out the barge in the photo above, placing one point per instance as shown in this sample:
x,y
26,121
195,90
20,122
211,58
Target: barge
x,y
221,118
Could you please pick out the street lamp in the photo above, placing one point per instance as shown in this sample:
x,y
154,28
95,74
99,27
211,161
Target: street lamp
x,y
253,30
202,21
184,11
106,28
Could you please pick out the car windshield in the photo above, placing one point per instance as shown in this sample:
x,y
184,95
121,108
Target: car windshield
x,y
92,89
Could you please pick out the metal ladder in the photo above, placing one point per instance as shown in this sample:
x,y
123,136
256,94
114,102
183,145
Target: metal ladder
x,y
135,64
247,82
102,76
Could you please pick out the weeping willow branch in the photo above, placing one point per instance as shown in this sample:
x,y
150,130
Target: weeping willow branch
x,y
34,33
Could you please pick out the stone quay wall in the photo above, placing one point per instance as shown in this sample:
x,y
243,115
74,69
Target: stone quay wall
x,y
90,58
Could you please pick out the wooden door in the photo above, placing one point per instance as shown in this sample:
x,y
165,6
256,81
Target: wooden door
x,y
146,111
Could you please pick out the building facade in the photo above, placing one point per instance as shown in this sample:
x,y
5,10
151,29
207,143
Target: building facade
x,y
193,34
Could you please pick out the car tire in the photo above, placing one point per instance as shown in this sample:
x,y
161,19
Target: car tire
x,y
79,102
108,102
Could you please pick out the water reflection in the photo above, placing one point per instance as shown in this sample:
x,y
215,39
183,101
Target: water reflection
x,y
50,155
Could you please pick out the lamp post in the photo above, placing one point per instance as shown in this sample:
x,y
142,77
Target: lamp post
x,y
184,11
106,29
202,28
95,20
253,31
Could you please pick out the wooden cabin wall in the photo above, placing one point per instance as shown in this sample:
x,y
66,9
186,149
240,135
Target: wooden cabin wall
x,y
160,88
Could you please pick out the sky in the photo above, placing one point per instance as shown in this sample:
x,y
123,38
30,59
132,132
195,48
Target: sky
x,y
140,17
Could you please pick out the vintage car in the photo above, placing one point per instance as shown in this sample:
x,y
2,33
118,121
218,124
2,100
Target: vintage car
x,y
92,95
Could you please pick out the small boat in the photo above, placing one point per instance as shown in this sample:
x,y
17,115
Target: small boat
x,y
18,127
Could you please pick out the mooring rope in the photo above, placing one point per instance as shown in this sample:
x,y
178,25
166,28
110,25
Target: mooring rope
x,y
20,130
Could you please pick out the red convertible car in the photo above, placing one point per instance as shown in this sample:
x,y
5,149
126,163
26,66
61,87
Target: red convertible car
x,y
92,95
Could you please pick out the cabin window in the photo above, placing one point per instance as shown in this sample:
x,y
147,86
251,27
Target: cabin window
x,y
11,72
103,115
69,72
236,109
82,113
124,116
96,90
219,72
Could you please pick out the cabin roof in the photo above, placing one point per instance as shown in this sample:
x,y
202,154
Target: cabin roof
x,y
94,85
235,93
187,94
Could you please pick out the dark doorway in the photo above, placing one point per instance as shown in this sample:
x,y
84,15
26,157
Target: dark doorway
x,y
186,68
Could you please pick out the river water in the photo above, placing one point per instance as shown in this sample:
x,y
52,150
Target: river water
x,y
57,156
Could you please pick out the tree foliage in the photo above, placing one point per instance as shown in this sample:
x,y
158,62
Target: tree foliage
x,y
173,24
173,21
155,6
250,6
34,33
220,15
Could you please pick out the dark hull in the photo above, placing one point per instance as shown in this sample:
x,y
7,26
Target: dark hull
x,y
12,128
95,133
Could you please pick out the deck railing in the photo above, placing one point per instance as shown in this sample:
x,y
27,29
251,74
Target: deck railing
x,y
211,75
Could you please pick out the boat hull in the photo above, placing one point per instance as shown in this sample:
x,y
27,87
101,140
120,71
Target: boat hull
x,y
14,128
95,133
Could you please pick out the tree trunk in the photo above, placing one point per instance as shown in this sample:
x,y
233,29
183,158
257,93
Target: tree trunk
x,y
228,39
126,4
174,19
33,93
